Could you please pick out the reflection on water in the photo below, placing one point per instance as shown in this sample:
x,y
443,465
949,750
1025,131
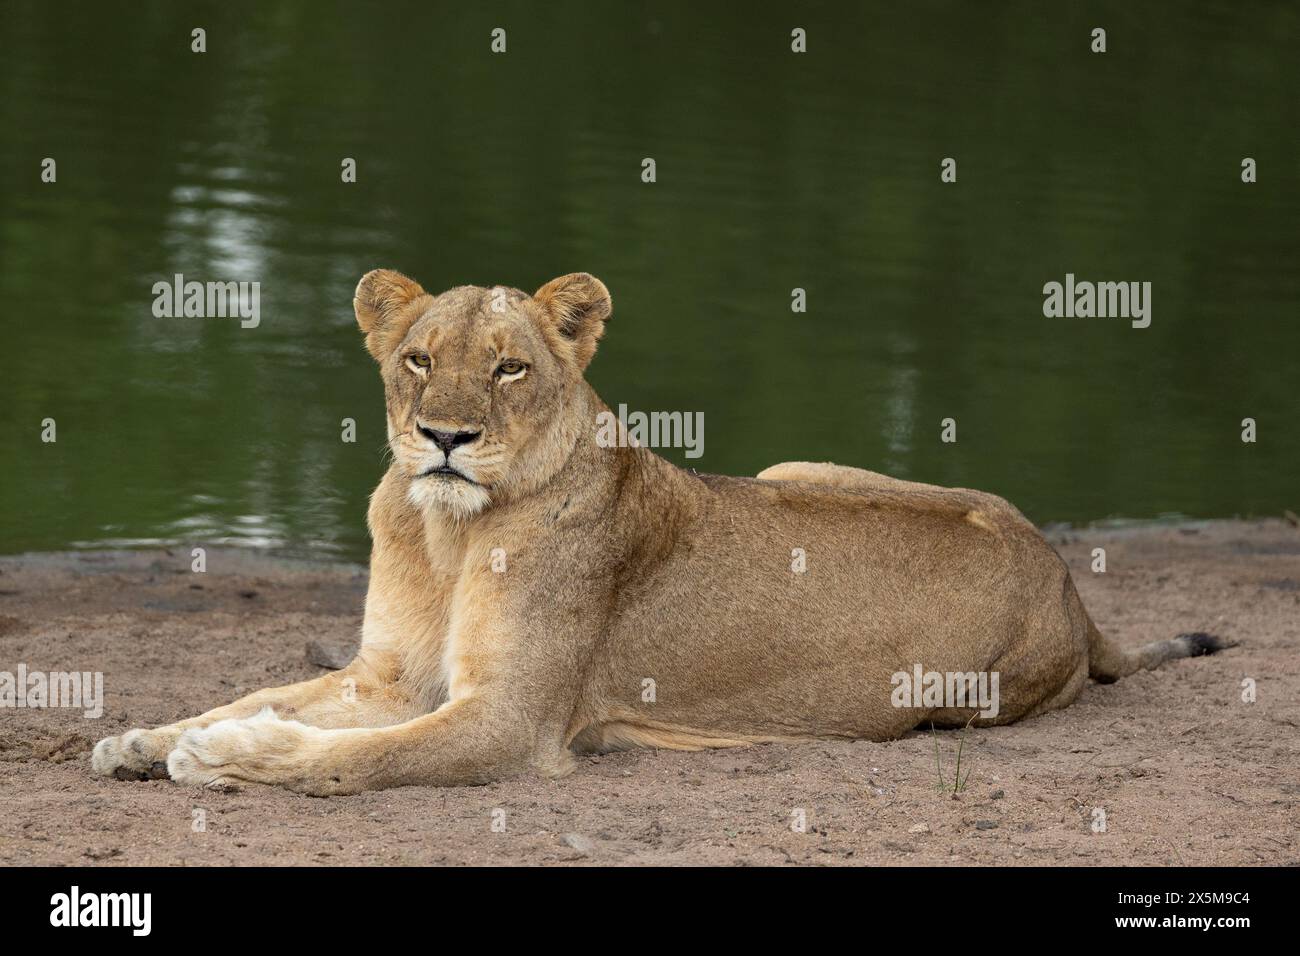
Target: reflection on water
x,y
775,172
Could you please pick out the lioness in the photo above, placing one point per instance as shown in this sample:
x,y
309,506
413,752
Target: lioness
x,y
534,593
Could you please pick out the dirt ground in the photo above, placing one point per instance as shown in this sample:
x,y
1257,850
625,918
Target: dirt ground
x,y
1185,771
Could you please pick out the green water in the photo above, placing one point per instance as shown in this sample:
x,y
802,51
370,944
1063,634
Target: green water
x,y
775,170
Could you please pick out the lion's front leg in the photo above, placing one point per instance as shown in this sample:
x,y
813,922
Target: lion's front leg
x,y
139,754
464,742
263,748
488,729
361,695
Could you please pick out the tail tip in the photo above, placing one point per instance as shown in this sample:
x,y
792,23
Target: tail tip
x,y
1198,643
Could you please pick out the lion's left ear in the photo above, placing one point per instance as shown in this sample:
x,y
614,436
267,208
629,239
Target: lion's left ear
x,y
578,306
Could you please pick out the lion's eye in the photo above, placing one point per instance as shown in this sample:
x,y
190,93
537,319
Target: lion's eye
x,y
419,360
511,367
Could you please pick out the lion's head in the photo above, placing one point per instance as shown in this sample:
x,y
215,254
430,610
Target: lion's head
x,y
479,381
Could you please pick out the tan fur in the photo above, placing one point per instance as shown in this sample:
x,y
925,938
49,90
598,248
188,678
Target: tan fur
x,y
638,604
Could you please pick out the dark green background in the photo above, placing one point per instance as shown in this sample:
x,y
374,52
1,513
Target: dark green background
x,y
775,170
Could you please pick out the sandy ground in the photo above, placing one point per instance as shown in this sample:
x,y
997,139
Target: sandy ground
x,y
1185,771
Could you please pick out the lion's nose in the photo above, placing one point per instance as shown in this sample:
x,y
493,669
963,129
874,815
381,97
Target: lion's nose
x,y
447,440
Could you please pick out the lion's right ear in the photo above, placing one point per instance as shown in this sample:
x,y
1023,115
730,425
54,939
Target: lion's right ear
x,y
380,302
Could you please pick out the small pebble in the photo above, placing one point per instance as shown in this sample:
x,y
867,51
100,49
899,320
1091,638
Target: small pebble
x,y
578,842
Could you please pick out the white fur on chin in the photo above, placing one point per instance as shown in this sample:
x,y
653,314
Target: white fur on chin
x,y
462,498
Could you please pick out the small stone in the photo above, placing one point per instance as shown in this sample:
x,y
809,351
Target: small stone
x,y
918,828
335,655
579,843
986,824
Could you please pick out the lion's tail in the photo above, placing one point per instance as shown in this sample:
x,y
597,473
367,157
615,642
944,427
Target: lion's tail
x,y
1108,662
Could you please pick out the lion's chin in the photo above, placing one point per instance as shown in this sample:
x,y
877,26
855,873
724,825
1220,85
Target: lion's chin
x,y
456,496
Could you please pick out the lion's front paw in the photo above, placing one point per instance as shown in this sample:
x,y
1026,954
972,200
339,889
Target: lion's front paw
x,y
135,755
259,749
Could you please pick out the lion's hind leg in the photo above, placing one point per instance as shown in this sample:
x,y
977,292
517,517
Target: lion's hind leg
x,y
839,476
631,734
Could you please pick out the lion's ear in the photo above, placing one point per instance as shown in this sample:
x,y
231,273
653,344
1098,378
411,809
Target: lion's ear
x,y
578,306
379,300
